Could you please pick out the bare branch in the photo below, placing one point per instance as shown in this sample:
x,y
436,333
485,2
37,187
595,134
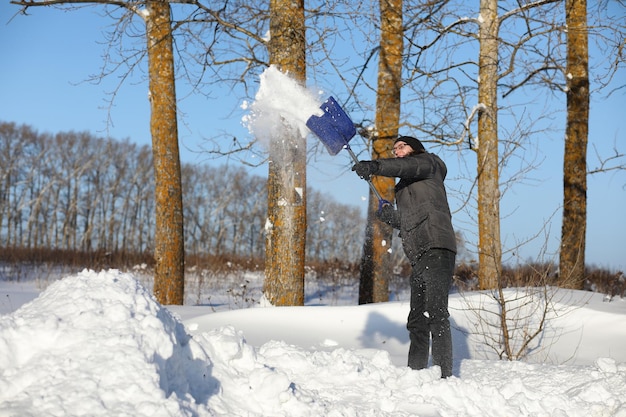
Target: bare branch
x,y
225,23
525,7
614,162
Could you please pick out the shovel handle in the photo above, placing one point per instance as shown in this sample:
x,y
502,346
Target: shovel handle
x,y
381,201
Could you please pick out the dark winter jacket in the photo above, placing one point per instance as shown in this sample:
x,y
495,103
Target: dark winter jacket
x,y
422,215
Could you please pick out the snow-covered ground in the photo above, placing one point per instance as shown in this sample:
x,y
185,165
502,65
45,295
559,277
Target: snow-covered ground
x,y
98,344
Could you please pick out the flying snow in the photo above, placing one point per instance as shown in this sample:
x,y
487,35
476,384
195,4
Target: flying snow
x,y
280,100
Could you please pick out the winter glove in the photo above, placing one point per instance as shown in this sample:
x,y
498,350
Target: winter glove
x,y
386,214
365,169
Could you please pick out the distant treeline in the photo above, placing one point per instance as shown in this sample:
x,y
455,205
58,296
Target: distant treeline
x,y
79,192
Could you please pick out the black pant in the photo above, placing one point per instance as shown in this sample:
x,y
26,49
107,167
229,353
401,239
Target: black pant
x,y
429,317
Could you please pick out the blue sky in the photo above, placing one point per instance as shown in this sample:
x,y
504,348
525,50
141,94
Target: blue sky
x,y
48,55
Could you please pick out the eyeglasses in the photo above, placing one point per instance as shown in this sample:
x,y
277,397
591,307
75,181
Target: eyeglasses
x,y
398,146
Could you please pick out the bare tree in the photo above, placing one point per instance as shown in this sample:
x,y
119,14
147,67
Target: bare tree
x,y
376,261
13,147
286,181
512,321
489,244
169,251
574,226
604,23
169,239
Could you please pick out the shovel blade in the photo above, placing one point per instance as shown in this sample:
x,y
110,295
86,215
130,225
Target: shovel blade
x,y
334,127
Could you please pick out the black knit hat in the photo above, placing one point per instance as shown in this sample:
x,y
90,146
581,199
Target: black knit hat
x,y
412,142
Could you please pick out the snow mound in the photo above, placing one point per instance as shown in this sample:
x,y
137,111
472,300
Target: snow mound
x,y
99,344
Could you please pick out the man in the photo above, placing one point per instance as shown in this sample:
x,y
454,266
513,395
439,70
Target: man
x,y
425,224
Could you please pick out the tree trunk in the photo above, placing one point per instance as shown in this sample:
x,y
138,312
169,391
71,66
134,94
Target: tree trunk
x,y
286,182
572,257
489,246
376,260
169,282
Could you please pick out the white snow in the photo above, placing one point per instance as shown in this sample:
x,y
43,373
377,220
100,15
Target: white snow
x,y
144,13
98,344
280,100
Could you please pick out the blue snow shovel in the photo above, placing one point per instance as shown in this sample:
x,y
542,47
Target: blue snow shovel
x,y
335,129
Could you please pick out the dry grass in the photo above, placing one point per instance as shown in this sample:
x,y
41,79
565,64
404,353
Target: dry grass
x,y
611,283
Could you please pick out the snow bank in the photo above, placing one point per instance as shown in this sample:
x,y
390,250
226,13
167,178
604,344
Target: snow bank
x,y
99,344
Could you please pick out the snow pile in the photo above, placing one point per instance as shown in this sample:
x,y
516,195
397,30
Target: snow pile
x,y
99,344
